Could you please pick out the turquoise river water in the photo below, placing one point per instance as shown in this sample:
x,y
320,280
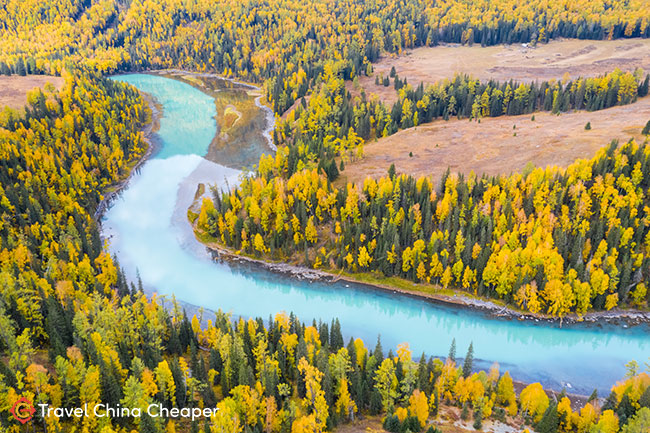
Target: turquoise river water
x,y
148,230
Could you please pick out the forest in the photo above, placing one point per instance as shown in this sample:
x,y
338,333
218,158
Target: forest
x,y
74,331
334,125
549,240
585,227
282,43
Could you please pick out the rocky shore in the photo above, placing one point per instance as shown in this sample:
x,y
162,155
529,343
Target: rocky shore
x,y
617,317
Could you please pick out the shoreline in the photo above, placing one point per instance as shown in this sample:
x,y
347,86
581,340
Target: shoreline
x,y
148,130
268,111
302,273
457,300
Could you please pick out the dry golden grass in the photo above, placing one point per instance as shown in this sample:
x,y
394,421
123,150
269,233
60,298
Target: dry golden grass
x,y
448,421
371,424
230,117
544,62
491,146
14,88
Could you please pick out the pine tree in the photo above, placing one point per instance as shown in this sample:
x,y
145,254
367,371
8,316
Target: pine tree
x,y
452,351
646,129
379,351
111,390
478,418
20,67
625,410
179,381
464,413
336,338
4,69
391,169
644,401
611,402
173,344
550,420
140,286
468,363
375,402
148,424
643,89
392,424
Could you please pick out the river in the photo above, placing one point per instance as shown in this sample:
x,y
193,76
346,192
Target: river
x,y
147,229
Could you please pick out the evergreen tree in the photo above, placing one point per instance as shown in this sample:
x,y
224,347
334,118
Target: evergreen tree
x,y
173,343
392,424
468,363
452,351
20,67
336,338
375,402
378,353
611,402
644,400
478,418
646,129
148,424
464,413
391,169
179,381
625,410
110,386
4,69
643,89
550,420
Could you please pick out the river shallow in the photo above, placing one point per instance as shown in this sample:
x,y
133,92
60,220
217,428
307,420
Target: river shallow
x,y
147,229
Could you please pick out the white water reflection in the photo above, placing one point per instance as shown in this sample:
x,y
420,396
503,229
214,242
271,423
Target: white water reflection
x,y
149,231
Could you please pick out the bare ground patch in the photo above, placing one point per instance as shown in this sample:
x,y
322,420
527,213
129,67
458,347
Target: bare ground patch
x,y
448,422
500,145
504,62
14,88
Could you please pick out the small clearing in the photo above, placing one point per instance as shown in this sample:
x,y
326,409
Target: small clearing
x,y
14,88
499,145
524,63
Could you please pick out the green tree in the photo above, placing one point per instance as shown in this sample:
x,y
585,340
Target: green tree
x,y
452,351
550,420
640,423
386,384
468,363
20,67
646,129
